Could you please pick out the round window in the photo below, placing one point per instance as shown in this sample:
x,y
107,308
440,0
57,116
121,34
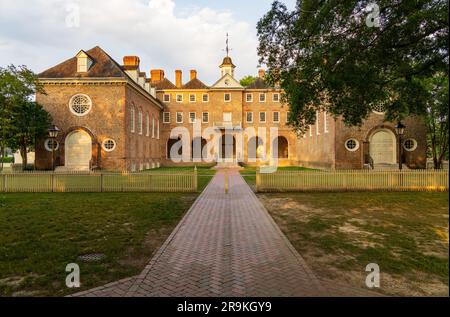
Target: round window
x,y
80,105
379,108
410,145
51,145
109,145
352,145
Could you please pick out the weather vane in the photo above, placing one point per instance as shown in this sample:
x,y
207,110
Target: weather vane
x,y
227,49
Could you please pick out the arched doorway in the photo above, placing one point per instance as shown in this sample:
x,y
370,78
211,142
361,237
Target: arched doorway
x,y
255,148
78,150
282,146
170,144
383,147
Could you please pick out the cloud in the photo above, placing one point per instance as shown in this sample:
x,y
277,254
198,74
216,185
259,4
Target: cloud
x,y
35,33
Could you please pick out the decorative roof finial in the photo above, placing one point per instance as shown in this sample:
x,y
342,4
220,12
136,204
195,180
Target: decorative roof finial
x,y
227,49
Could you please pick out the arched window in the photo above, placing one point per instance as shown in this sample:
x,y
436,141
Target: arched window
x,y
153,127
140,122
80,105
132,120
148,125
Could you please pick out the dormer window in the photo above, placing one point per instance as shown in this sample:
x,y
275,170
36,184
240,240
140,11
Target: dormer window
x,y
83,62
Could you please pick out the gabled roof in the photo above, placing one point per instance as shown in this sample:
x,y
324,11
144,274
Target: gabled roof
x,y
259,83
103,66
232,83
164,84
195,84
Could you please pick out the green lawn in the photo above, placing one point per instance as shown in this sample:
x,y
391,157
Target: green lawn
x,y
338,234
42,233
204,174
249,172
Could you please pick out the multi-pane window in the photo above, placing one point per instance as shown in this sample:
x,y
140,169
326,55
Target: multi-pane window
x,y
262,117
205,97
132,120
227,97
166,117
140,122
287,116
179,117
325,122
249,117
310,131
166,98
276,97
192,98
148,125
249,97
276,117
262,97
317,123
192,117
205,117
157,129
179,98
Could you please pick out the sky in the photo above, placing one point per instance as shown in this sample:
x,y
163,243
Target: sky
x,y
165,34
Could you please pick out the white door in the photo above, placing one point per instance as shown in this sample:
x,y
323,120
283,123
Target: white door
x,y
382,147
78,150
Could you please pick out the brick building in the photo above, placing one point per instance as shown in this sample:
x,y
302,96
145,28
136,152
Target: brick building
x,y
113,117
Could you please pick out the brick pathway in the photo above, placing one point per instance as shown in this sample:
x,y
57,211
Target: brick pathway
x,y
226,245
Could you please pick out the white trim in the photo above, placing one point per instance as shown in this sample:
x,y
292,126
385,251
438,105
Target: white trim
x,y
176,117
246,116
265,97
47,147
105,148
356,146
249,94
203,114
195,98
76,113
153,127
207,99
164,117
414,145
265,117
148,125
273,117
164,98
317,123
179,95
273,97
133,119
140,120
325,122
225,99
157,129
190,117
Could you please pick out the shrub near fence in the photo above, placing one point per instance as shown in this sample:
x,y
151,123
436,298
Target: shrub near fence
x,y
358,180
98,182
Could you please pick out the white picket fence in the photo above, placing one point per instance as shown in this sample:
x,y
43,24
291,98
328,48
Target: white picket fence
x,y
353,180
98,182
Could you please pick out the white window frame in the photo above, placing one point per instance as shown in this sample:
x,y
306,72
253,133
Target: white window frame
x,y
354,149
224,97
105,148
181,99
310,130
203,117
132,120
153,127
265,117
273,117
157,129
287,116
140,119
246,116
207,97
148,125
195,117
273,97
164,98
413,148
265,97
195,98
164,117
179,113
71,104
251,97
47,146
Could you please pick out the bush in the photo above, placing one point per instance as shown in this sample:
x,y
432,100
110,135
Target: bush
x,y
7,159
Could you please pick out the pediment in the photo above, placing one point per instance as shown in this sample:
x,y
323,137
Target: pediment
x,y
227,81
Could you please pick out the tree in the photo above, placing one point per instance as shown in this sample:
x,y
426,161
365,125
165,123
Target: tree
x,y
330,55
22,120
437,118
247,80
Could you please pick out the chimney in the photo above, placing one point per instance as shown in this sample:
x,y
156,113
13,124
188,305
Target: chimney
x,y
131,62
261,73
193,74
156,75
178,78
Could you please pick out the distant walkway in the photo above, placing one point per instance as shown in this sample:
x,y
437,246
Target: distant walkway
x,y
226,245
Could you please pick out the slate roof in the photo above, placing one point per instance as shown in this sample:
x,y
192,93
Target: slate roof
x,y
259,84
195,84
103,66
164,84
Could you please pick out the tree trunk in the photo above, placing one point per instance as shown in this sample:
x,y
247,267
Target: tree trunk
x,y
24,154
